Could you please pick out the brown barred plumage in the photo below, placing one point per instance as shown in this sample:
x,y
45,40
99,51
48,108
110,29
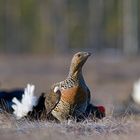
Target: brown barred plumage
x,y
75,95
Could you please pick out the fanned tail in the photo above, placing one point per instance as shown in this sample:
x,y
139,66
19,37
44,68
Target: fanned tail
x,y
136,92
28,101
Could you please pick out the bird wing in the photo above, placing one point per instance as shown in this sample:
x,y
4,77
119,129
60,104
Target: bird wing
x,y
52,99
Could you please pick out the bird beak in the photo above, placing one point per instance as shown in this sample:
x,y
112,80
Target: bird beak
x,y
87,54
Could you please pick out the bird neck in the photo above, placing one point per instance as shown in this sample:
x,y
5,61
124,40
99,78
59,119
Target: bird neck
x,y
76,74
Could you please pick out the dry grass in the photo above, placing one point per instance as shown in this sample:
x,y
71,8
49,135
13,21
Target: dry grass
x,y
110,79
107,128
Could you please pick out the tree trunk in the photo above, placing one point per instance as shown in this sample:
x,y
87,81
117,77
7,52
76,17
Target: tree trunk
x,y
96,9
130,27
60,23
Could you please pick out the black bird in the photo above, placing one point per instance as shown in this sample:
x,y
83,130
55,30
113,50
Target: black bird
x,y
6,97
22,102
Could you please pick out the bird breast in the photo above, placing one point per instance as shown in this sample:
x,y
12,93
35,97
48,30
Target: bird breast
x,y
74,95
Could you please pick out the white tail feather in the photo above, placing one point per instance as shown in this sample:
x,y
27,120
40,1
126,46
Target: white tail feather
x,y
136,92
21,108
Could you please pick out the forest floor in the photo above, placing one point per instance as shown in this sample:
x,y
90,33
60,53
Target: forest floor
x,y
110,79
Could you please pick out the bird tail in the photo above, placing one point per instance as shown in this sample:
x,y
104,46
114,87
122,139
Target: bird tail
x,y
28,101
136,92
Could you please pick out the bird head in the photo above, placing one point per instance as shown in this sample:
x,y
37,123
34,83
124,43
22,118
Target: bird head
x,y
97,111
78,61
101,109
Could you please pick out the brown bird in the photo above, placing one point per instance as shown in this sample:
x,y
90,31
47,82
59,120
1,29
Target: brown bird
x,y
71,96
68,98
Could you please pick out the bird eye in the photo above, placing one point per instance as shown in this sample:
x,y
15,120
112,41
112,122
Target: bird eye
x,y
79,55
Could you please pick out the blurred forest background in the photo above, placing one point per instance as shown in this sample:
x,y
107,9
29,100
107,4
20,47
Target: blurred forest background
x,y
44,26
37,40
